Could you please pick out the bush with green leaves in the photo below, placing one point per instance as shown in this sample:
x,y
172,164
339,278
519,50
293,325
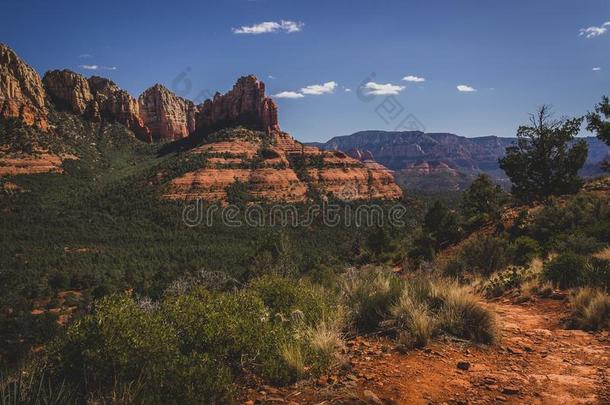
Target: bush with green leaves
x,y
597,273
485,254
120,341
282,296
523,250
566,270
512,277
482,201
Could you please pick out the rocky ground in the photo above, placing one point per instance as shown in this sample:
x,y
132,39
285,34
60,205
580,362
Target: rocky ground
x,y
537,361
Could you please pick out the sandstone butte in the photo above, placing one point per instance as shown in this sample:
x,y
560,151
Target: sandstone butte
x,y
160,115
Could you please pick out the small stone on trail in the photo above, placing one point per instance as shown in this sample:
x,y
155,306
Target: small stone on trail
x,y
463,365
510,390
371,398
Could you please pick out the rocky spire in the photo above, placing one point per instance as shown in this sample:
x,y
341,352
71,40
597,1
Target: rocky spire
x,y
22,94
167,116
246,104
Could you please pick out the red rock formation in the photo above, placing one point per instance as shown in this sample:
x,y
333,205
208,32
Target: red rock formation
x,y
113,104
167,116
21,92
68,90
246,104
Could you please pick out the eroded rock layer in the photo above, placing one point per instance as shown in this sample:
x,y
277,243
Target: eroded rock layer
x,y
167,116
245,104
22,94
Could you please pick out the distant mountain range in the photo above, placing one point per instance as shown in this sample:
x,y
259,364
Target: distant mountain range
x,y
445,159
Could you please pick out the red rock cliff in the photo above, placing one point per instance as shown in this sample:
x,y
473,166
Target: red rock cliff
x,y
246,104
167,116
68,90
21,92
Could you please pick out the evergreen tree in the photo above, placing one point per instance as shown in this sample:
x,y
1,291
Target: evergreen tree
x,y
545,161
482,200
599,123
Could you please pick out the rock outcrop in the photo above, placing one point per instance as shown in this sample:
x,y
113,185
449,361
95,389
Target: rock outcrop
x,y
246,104
283,171
272,164
68,90
167,116
22,94
114,104
97,99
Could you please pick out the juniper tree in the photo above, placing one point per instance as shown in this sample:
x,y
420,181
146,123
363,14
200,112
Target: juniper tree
x,y
546,160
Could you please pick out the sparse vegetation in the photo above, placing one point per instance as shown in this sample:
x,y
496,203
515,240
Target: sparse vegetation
x,y
590,309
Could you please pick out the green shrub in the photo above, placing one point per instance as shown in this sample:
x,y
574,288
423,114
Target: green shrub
x,y
590,309
283,296
120,341
506,280
485,254
566,270
523,250
597,273
576,242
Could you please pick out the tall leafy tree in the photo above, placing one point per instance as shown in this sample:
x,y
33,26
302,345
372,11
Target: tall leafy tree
x,y
483,199
599,123
545,161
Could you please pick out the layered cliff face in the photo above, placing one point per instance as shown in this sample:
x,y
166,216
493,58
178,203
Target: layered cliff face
x,y
246,104
282,170
68,90
97,99
167,116
21,91
116,105
415,152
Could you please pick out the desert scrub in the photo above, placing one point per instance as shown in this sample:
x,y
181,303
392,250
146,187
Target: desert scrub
x,y
523,250
503,281
463,315
121,342
283,295
414,320
590,309
482,255
566,270
427,307
369,296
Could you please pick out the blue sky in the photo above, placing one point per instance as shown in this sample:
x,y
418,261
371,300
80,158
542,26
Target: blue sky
x,y
516,54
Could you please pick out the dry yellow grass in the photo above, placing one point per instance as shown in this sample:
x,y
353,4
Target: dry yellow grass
x,y
603,254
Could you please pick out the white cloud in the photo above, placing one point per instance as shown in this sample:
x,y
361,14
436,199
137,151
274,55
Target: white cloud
x,y
97,67
596,69
269,26
271,77
414,79
319,89
289,94
465,88
593,31
85,56
347,89
378,89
